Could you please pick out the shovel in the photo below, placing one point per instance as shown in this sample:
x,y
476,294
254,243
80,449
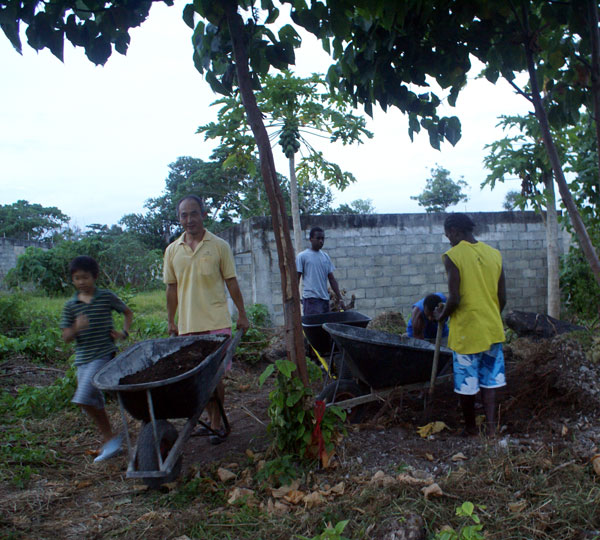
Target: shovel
x,y
434,369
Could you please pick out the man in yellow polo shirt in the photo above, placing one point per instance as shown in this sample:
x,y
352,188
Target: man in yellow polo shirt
x,y
477,295
197,268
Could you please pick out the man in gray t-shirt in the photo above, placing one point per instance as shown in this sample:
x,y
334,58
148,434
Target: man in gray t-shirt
x,y
315,268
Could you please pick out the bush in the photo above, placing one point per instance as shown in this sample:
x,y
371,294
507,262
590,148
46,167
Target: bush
x,y
579,289
124,261
256,338
13,320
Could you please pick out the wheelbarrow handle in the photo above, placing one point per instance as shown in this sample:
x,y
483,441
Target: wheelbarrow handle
x,y
233,345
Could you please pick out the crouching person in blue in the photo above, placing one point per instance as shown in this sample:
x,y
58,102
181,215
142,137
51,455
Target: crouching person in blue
x,y
87,319
422,323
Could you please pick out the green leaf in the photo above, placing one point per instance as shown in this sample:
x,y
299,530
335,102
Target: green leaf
x,y
286,367
266,374
188,15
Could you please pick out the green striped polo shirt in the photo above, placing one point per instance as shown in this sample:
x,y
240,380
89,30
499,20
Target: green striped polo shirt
x,y
95,341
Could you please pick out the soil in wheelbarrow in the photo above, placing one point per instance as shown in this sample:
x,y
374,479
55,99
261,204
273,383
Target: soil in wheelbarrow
x,y
174,364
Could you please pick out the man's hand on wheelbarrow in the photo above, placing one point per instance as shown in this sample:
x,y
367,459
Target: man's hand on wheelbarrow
x,y
242,322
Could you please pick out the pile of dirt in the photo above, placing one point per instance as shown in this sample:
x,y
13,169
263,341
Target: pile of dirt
x,y
389,321
177,363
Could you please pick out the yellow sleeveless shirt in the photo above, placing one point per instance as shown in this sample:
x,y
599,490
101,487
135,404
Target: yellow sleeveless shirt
x,y
476,324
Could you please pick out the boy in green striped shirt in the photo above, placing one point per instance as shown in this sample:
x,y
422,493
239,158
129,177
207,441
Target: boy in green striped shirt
x,y
87,318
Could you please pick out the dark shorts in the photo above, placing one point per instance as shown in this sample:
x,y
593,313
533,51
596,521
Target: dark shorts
x,y
314,306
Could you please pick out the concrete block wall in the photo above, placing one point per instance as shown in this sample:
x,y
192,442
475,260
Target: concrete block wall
x,y
10,249
388,261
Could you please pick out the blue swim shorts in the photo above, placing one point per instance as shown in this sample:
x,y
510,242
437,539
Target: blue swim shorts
x,y
480,370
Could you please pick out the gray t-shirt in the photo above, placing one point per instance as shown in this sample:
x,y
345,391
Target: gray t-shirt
x,y
314,266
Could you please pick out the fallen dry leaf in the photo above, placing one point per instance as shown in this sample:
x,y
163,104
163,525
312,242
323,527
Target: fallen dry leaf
x,y
313,499
148,516
326,458
276,507
93,453
294,496
225,474
284,490
232,466
411,480
241,494
83,484
249,453
429,456
458,457
382,479
596,464
431,428
564,430
517,507
432,491
339,488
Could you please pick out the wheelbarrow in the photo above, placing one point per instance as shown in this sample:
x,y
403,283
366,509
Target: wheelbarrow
x,y
321,342
381,363
157,457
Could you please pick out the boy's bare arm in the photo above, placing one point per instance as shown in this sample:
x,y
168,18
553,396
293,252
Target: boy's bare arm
x,y
80,324
128,318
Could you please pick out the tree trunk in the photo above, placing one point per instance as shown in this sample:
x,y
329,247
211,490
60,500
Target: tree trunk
x,y
295,207
552,248
595,70
580,231
285,251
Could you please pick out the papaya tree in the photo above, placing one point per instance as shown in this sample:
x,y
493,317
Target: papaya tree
x,y
523,155
296,110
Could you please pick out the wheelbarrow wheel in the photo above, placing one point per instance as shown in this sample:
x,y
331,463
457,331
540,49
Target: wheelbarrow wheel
x,y
347,389
146,458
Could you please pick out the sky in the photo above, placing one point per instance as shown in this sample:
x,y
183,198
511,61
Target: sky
x,y
96,141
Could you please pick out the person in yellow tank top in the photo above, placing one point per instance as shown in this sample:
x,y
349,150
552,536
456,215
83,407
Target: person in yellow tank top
x,y
477,295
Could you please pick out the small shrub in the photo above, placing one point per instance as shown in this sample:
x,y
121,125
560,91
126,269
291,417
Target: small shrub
x,y
330,533
470,528
13,320
39,402
256,339
280,471
21,454
292,412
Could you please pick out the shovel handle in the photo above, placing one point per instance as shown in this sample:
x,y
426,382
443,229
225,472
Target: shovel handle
x,y
436,356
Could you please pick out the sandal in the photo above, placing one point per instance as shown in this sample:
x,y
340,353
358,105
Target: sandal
x,y
218,436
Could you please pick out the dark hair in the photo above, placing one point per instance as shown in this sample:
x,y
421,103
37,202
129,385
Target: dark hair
x,y
85,263
459,221
431,301
193,198
315,230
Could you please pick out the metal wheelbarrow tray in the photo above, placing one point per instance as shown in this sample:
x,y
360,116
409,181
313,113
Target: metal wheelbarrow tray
x,y
157,457
319,339
380,362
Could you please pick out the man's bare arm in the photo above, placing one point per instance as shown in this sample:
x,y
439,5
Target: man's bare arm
x,y
236,295
453,291
418,323
502,290
172,308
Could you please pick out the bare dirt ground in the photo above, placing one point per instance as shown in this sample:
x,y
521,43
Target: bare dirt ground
x,y
551,404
